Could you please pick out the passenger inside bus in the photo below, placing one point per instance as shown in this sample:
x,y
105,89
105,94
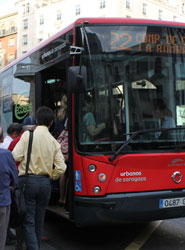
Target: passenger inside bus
x,y
61,116
63,140
117,128
61,134
91,129
164,115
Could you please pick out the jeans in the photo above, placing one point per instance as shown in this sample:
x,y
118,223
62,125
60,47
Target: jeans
x,y
37,194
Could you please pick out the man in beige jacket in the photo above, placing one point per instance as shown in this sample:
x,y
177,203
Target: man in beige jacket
x,y
46,162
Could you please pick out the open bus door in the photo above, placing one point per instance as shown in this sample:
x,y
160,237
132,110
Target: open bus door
x,y
73,82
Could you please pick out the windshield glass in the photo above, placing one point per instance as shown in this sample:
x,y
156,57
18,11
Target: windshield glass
x,y
136,81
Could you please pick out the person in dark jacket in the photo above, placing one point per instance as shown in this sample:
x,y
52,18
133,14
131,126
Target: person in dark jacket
x,y
8,177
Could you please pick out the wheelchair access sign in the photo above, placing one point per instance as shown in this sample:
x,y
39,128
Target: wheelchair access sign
x,y
78,184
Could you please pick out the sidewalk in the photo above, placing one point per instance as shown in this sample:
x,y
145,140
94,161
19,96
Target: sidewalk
x,y
44,246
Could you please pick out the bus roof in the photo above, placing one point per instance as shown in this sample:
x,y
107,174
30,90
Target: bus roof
x,y
87,20
126,20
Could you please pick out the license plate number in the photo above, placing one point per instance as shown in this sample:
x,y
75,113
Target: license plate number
x,y
173,202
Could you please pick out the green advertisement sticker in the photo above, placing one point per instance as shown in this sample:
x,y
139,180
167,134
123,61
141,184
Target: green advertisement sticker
x,y
22,111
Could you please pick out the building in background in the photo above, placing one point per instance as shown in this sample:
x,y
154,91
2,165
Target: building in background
x,y
8,38
38,20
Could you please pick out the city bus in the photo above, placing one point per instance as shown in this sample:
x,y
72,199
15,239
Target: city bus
x,y
125,80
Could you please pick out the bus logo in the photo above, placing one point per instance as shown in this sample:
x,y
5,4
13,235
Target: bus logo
x,y
177,162
177,177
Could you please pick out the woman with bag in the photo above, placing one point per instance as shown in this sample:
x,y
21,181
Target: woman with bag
x,y
61,116
63,140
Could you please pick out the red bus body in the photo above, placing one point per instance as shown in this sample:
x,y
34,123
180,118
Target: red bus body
x,y
146,179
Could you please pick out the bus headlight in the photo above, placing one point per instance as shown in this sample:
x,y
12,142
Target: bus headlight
x,y
96,189
92,168
102,177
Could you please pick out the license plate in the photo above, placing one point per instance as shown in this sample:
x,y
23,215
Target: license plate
x,y
173,202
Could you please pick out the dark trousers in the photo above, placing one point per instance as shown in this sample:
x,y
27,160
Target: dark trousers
x,y
20,243
4,219
37,195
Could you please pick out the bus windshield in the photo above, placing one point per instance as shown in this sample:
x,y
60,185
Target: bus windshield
x,y
136,81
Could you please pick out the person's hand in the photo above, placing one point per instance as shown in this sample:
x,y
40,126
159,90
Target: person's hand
x,y
66,157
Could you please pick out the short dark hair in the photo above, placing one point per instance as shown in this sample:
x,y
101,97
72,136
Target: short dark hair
x,y
44,116
1,133
14,127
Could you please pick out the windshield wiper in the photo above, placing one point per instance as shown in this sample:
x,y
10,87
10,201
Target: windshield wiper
x,y
138,132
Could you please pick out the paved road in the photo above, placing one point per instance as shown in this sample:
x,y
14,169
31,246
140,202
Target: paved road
x,y
160,235
44,246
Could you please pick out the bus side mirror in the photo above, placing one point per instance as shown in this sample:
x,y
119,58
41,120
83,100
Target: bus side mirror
x,y
77,79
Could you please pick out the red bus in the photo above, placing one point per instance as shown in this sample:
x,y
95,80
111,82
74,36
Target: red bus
x,y
125,83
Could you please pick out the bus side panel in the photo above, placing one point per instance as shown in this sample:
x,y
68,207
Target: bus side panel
x,y
148,172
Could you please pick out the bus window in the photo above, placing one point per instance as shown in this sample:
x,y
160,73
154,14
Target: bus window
x,y
6,101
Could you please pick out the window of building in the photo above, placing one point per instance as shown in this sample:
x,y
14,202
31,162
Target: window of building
x,y
77,10
59,15
40,39
41,20
12,42
183,7
1,61
23,9
12,27
27,7
160,14
25,23
128,4
25,39
144,8
11,57
102,4
3,30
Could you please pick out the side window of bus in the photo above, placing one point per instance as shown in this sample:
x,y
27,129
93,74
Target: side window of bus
x,y
23,92
6,99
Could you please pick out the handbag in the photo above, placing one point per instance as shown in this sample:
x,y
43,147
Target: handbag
x,y
18,206
63,140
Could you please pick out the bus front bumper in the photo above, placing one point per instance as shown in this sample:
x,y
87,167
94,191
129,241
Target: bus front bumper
x,y
126,208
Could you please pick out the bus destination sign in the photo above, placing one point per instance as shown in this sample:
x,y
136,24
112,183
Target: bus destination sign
x,y
148,42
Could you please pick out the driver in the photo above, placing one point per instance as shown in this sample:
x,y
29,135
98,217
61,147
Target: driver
x,y
91,128
164,115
